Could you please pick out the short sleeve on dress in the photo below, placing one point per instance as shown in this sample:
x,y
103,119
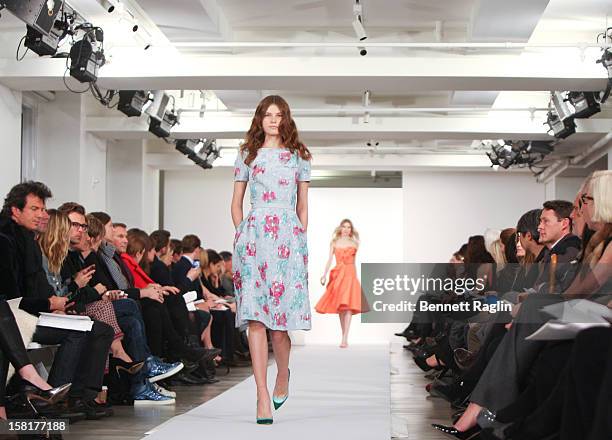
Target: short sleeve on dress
x,y
241,170
304,170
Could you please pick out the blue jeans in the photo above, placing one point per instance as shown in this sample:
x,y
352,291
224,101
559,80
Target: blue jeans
x,y
130,321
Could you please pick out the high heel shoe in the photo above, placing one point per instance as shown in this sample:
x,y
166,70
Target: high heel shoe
x,y
455,433
130,368
264,420
50,397
278,402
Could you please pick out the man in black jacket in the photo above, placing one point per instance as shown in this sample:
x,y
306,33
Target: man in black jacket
x,y
81,356
160,273
508,369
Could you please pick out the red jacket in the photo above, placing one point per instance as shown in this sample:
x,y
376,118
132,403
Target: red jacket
x,y
141,279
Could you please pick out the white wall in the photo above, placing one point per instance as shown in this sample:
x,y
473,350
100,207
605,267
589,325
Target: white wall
x,y
567,187
197,202
70,161
92,172
59,141
10,146
377,215
443,209
124,177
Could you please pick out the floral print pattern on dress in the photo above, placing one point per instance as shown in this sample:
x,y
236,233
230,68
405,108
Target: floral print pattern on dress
x,y
270,248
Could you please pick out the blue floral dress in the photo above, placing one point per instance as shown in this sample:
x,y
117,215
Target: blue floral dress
x,y
270,262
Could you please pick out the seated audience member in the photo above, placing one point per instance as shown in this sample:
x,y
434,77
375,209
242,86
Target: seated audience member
x,y
226,279
158,245
555,230
211,278
177,251
13,351
81,357
145,389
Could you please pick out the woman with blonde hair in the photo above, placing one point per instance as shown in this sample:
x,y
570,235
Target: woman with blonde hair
x,y
55,243
343,294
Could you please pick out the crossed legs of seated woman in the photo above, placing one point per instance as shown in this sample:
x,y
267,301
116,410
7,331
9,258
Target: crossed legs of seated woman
x,y
13,351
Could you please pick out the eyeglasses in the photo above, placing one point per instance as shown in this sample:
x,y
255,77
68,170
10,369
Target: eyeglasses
x,y
584,198
80,226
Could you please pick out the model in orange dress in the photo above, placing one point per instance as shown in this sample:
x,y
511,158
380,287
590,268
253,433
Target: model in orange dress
x,y
343,294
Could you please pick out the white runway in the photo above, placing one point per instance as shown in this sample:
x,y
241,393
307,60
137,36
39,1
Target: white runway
x,y
334,393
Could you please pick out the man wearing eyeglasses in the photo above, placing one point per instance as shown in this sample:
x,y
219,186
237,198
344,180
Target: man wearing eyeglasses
x,y
77,276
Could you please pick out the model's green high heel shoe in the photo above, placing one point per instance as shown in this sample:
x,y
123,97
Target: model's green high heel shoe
x,y
278,402
264,420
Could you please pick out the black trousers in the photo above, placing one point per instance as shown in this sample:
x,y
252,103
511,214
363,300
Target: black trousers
x,y
162,337
507,374
80,358
179,314
222,332
546,372
11,347
579,405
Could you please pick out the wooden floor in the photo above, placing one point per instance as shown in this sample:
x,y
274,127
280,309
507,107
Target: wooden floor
x,y
412,412
131,422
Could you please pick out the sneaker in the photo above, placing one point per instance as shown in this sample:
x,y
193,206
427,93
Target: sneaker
x,y
164,392
148,396
158,370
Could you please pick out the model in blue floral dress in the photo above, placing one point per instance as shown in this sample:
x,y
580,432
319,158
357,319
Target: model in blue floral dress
x,y
270,249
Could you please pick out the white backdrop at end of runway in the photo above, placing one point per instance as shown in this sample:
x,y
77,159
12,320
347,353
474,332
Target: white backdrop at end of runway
x,y
378,217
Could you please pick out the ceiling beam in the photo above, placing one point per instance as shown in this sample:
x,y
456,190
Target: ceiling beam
x,y
365,162
332,128
160,70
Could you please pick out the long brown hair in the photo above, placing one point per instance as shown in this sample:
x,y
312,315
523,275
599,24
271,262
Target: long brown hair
x,y
55,241
287,129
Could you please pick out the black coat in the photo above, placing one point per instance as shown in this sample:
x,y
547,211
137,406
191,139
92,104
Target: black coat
x,y
566,250
160,273
179,276
21,271
71,265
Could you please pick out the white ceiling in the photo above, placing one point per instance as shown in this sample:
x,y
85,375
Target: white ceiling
x,y
329,79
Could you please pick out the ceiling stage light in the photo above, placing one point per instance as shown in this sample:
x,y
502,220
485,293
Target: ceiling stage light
x,y
134,102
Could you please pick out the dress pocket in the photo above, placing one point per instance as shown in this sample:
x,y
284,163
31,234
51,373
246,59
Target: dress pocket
x,y
239,227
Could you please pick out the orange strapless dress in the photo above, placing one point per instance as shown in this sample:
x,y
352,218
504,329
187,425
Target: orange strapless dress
x,y
343,290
